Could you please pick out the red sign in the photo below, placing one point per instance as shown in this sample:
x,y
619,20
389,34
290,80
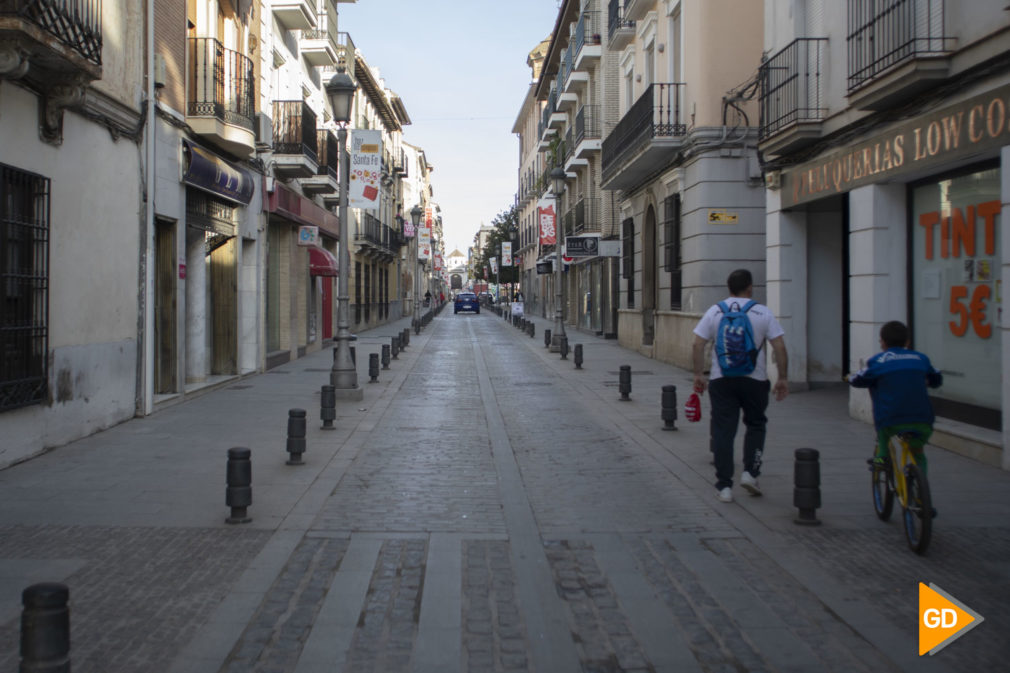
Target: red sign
x,y
182,271
548,235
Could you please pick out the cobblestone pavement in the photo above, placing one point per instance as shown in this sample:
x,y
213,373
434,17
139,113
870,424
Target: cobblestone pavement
x,y
488,509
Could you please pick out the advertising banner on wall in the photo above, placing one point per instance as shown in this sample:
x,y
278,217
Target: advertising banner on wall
x,y
545,216
366,169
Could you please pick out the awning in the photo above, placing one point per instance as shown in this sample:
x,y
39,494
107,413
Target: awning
x,y
322,262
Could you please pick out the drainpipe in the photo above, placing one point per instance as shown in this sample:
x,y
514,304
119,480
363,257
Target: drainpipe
x,y
145,368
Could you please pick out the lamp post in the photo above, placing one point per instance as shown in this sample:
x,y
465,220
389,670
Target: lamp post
x,y
344,375
558,180
415,218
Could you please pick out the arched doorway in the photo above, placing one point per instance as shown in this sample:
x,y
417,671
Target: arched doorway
x,y
649,277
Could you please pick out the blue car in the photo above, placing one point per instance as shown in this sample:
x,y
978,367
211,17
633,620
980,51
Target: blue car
x,y
466,301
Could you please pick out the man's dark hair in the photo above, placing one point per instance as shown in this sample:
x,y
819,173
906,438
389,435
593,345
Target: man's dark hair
x,y
739,281
894,334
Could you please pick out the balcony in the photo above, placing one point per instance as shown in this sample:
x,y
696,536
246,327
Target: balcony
x,y
646,139
295,140
587,131
587,40
555,118
220,102
895,49
587,215
620,31
400,164
324,182
295,14
376,240
791,102
319,45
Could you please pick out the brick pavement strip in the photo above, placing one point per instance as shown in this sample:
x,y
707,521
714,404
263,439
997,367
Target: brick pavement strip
x,y
141,594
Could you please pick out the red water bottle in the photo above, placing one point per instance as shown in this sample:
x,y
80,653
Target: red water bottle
x,y
692,408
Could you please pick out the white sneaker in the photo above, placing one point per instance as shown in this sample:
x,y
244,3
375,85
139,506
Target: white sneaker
x,y
726,495
750,483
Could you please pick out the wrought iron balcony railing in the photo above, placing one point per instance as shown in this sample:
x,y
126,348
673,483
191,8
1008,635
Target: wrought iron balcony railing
x,y
75,23
221,83
587,209
328,152
791,85
294,128
656,114
587,31
885,33
616,20
587,123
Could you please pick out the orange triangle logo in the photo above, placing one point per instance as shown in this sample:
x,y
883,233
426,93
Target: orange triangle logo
x,y
942,619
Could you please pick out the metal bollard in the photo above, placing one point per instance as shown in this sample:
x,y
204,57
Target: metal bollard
x,y
405,339
238,495
394,346
373,367
385,356
807,486
578,356
417,327
328,406
45,628
547,338
624,383
532,329
564,348
296,436
669,409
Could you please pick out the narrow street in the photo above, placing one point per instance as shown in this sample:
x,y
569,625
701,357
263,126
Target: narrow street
x,y
487,507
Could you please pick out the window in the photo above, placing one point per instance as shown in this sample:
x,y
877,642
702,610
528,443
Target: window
x,y
671,247
24,278
628,262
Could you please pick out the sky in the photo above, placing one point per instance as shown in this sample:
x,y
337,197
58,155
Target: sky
x,y
460,68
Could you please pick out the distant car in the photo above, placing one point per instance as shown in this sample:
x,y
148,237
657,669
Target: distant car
x,y
466,301
485,298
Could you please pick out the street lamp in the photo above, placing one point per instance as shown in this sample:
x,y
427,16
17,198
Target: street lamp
x,y
415,218
344,375
558,181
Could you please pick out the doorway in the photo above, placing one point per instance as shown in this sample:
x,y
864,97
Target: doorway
x,y
224,308
165,307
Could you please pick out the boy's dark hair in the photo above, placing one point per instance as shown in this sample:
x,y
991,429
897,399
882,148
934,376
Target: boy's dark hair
x,y
894,334
739,281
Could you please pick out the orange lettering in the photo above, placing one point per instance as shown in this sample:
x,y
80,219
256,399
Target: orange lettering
x,y
971,123
945,237
926,221
976,311
988,212
919,153
933,138
963,232
952,130
995,128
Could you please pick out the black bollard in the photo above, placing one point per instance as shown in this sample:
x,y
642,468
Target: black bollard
x,y
532,329
238,495
564,348
547,338
807,486
373,367
394,347
296,436
578,356
328,407
669,409
405,339
624,383
385,356
45,629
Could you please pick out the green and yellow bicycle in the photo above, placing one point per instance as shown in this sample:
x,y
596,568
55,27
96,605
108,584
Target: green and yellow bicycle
x,y
910,486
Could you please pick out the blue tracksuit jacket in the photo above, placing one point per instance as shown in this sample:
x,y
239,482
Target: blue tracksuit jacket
x,y
897,379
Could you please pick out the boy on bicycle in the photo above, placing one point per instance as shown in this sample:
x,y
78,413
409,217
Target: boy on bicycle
x,y
897,378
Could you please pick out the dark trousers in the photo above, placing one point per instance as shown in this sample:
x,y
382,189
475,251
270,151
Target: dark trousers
x,y
730,395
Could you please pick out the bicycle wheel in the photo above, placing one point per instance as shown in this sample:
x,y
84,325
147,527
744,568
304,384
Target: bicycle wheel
x,y
918,510
883,495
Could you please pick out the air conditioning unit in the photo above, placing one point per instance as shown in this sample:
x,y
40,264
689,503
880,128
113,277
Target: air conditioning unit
x,y
264,130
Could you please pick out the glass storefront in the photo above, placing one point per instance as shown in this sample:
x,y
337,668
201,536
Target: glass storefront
x,y
956,290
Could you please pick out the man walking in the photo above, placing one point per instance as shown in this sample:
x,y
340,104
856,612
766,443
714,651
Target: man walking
x,y
738,379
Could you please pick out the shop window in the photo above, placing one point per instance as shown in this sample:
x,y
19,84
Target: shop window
x,y
956,291
628,260
24,277
671,248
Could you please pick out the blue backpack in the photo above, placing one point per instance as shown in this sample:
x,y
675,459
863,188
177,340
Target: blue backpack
x,y
735,349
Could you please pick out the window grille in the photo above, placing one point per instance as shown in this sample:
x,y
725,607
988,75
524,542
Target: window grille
x,y
671,247
24,277
628,261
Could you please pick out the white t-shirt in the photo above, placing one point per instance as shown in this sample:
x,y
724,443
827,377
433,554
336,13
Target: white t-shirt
x,y
763,323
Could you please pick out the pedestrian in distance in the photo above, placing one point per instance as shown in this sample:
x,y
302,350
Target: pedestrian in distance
x,y
898,378
738,380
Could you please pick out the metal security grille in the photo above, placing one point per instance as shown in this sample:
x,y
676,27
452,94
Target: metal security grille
x,y
24,279
671,248
628,262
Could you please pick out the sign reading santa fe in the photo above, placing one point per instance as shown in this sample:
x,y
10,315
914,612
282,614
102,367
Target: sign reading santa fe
x,y
366,169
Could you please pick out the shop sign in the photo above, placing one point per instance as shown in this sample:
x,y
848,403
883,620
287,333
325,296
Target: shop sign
x,y
582,246
213,174
308,236
979,124
545,267
722,217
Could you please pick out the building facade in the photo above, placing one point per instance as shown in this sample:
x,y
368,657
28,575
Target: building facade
x,y
72,111
885,132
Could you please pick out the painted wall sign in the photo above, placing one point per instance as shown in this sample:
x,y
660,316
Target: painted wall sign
x,y
722,217
974,126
